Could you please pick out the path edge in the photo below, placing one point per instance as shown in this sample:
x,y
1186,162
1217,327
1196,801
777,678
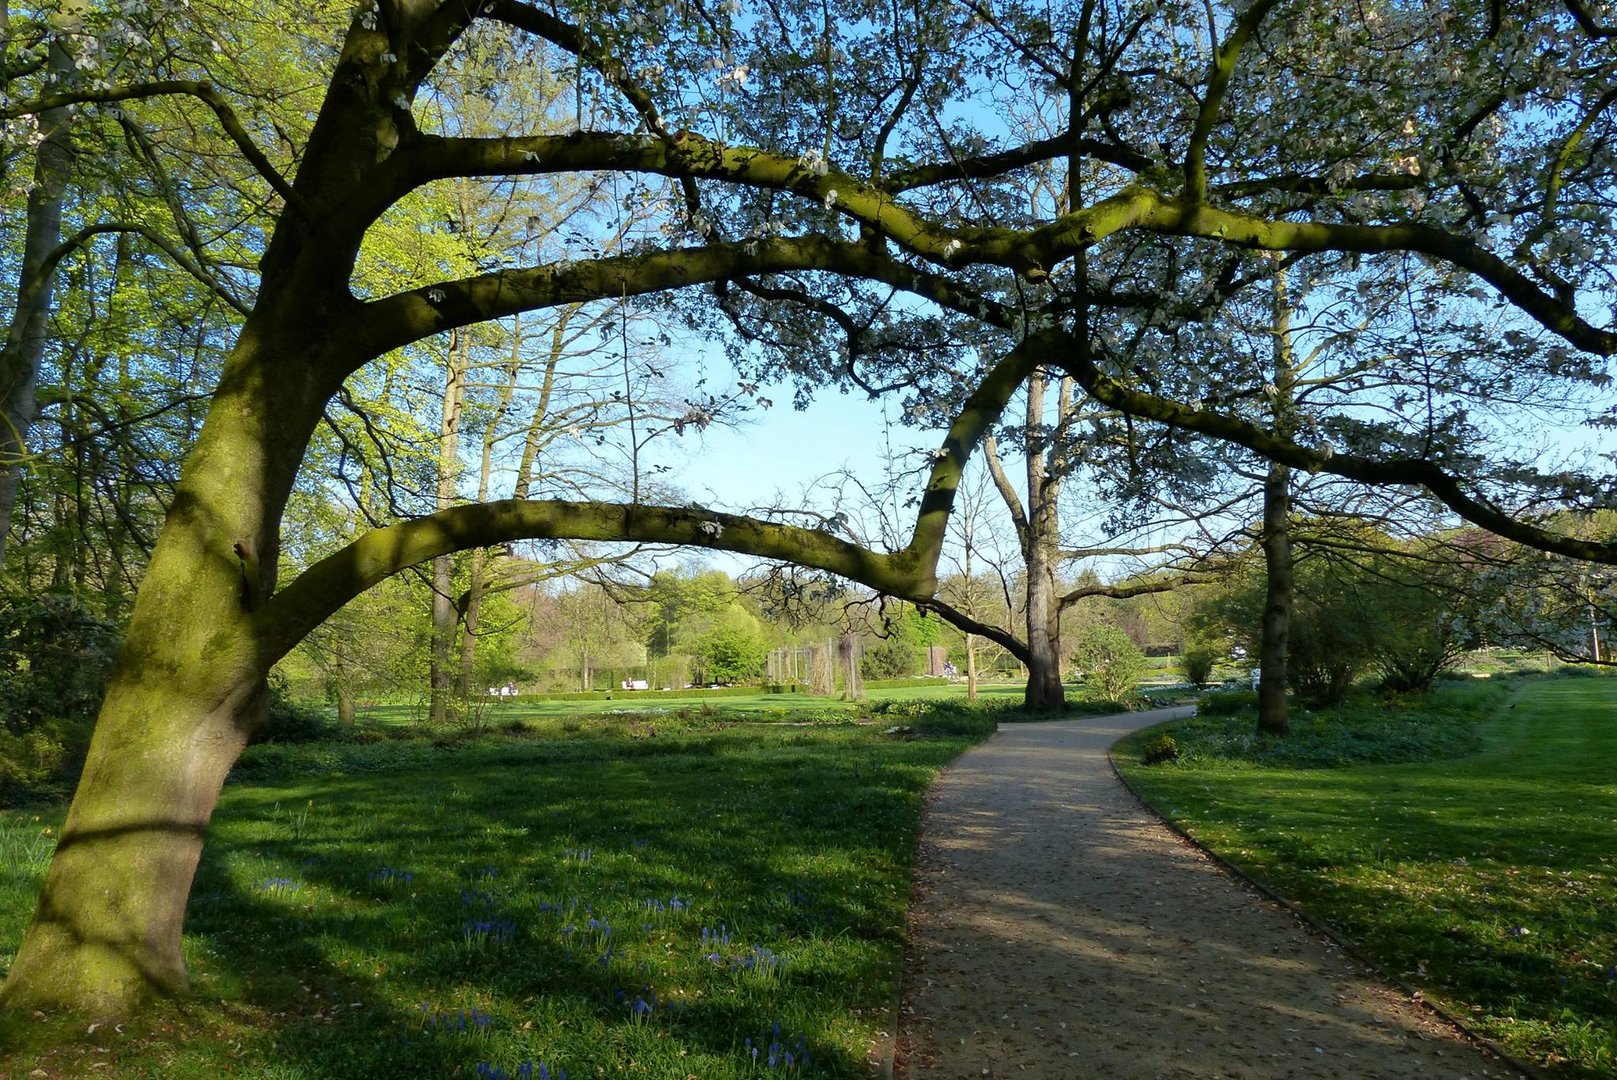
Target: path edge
x,y
1415,995
882,1057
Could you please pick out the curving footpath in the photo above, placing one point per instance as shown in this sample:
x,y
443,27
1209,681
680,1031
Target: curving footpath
x,y
1059,930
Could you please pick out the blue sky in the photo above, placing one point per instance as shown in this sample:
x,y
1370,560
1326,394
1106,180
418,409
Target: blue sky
x,y
783,451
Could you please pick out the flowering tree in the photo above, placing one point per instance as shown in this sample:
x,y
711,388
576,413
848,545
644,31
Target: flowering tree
x,y
842,176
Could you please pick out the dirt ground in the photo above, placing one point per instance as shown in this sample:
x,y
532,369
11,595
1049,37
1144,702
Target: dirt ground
x,y
1059,930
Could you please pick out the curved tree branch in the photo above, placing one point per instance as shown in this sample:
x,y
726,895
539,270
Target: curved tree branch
x,y
1017,157
204,92
1443,486
1032,253
1218,84
569,37
394,321
323,588
910,574
1124,592
953,615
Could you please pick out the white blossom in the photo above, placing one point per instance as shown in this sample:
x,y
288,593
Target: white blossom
x,y
814,162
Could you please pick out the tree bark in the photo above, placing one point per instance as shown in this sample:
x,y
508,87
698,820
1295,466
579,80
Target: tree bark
x,y
477,572
1275,639
445,619
971,667
1044,692
1041,539
187,691
1277,602
342,678
24,346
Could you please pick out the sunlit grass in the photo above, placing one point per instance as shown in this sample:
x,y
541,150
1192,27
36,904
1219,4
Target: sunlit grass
x,y
758,706
622,904
1487,880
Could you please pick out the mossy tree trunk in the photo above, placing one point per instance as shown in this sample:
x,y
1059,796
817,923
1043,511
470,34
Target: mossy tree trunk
x,y
188,687
185,695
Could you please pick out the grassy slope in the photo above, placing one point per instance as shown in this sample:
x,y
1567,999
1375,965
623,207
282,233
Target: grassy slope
x,y
350,924
1487,880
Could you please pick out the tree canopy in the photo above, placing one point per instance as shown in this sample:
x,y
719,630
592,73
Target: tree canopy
x,y
934,202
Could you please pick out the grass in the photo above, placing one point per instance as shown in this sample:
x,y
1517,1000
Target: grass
x,y
761,705
1484,879
650,898
574,716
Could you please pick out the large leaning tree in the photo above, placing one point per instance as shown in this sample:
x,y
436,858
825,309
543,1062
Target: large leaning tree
x,y
852,164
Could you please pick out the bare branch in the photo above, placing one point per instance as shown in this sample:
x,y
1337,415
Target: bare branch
x,y
203,92
1586,21
1443,486
157,240
1139,588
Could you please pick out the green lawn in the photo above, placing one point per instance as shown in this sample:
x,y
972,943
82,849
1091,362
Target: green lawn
x,y
654,899
1487,880
758,705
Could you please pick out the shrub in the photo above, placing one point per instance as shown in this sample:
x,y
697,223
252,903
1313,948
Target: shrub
x,y
889,658
1198,664
1227,703
1110,662
1160,749
978,719
731,654
293,721
27,762
956,718
1582,671
55,653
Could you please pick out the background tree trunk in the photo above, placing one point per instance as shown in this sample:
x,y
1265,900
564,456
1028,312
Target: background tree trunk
x,y
1044,692
445,618
1040,544
24,347
971,667
1277,602
1275,638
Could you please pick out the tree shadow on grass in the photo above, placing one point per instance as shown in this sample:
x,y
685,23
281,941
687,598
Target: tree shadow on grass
x,y
370,923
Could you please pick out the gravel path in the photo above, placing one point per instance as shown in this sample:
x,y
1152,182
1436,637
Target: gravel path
x,y
1059,930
